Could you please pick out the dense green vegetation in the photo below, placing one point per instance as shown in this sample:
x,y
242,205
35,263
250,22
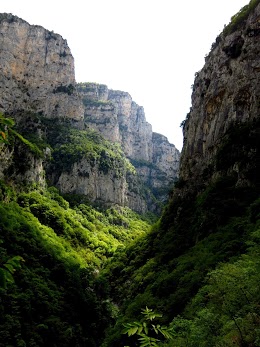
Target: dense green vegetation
x,y
49,303
151,273
69,145
72,275
82,273
239,18
206,238
225,311
8,136
75,145
51,254
56,299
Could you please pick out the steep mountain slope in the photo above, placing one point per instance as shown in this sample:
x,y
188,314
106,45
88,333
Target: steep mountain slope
x,y
119,119
58,247
56,297
85,272
225,96
39,91
213,213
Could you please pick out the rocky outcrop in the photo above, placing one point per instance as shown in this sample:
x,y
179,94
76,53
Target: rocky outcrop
x,y
37,78
104,188
21,166
37,71
225,98
165,156
119,119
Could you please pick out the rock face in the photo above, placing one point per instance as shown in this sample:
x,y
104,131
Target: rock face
x,y
226,95
37,71
21,166
38,89
105,187
119,119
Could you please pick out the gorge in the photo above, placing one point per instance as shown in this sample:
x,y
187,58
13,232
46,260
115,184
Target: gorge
x,y
83,180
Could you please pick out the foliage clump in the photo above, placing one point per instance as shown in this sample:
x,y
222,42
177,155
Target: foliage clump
x,y
236,22
73,145
8,135
225,310
239,18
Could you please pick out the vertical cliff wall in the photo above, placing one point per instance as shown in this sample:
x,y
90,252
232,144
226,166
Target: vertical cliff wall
x,y
213,214
37,71
225,98
119,119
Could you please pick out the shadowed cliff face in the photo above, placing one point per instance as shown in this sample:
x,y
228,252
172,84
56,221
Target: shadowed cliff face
x,y
225,95
215,204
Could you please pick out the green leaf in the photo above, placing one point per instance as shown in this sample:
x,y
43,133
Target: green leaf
x,y
146,341
145,328
150,314
15,262
155,328
140,329
166,332
16,259
132,328
9,267
8,270
8,276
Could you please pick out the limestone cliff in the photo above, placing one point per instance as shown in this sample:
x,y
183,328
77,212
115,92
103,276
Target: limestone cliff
x,y
225,106
36,80
38,89
119,119
37,71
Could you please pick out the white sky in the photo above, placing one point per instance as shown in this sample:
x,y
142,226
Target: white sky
x,y
148,48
